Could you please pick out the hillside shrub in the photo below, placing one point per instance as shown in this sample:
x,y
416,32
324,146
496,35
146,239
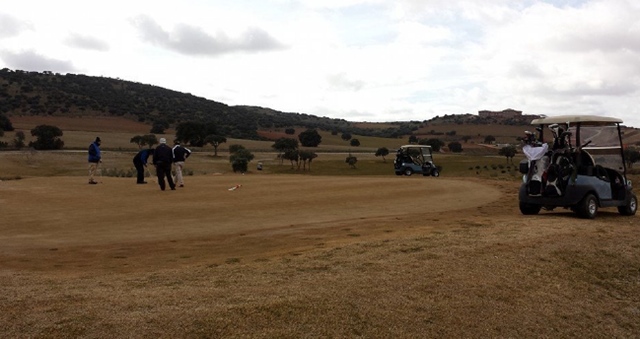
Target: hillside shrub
x,y
351,160
48,137
240,165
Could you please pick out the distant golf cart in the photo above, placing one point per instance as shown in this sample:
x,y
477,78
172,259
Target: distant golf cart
x,y
415,159
582,177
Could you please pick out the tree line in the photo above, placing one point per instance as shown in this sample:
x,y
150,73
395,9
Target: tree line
x,y
47,93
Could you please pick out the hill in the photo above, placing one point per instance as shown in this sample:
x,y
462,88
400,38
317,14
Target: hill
x,y
47,95
72,95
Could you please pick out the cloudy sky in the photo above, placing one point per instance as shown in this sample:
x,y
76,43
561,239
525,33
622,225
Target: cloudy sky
x,y
360,60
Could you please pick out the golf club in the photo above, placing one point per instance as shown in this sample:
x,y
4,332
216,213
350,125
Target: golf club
x,y
150,176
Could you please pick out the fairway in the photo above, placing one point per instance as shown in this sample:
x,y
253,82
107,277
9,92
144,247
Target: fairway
x,y
298,256
65,212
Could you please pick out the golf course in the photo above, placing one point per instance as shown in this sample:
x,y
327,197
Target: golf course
x,y
328,252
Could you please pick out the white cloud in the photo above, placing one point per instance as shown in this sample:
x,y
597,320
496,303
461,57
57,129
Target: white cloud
x,y
32,61
377,60
86,42
11,26
193,40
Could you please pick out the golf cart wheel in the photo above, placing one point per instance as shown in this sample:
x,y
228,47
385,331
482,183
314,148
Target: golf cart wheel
x,y
588,207
398,173
435,173
529,209
408,171
631,208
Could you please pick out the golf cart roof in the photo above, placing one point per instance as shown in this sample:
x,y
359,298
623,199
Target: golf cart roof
x,y
415,146
572,119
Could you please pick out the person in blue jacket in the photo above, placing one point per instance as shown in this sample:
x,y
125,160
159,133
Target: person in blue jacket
x,y
95,158
140,162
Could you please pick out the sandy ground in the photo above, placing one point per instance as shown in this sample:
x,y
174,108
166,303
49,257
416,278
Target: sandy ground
x,y
292,256
269,213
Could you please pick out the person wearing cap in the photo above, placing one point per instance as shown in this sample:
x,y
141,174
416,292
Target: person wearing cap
x,y
180,154
95,158
162,158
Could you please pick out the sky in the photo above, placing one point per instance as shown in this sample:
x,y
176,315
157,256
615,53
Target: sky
x,y
358,60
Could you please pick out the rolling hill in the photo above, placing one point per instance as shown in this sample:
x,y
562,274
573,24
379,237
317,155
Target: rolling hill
x,y
35,96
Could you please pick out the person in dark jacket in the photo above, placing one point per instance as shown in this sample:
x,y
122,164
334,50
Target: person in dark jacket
x,y
162,158
95,158
180,154
140,162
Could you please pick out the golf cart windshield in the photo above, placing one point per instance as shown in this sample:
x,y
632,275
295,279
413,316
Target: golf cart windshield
x,y
419,155
603,144
598,136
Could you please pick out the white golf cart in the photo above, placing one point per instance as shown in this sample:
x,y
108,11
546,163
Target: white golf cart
x,y
415,159
583,176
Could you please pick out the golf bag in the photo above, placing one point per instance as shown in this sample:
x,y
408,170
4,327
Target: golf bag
x,y
558,175
538,161
537,175
561,166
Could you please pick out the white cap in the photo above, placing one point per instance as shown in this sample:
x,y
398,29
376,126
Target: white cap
x,y
163,140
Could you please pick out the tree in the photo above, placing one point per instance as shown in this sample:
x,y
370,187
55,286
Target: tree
x,y
382,152
235,148
346,136
5,124
18,141
194,133
142,140
489,139
240,165
466,138
239,158
436,144
48,137
283,145
290,131
137,140
158,128
455,147
310,138
351,160
243,154
509,152
355,142
306,156
215,141
631,156
413,139
292,155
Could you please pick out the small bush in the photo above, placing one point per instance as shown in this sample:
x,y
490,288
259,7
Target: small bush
x,y
240,165
351,160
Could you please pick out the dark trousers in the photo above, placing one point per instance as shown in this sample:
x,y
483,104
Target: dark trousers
x,y
164,170
140,169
